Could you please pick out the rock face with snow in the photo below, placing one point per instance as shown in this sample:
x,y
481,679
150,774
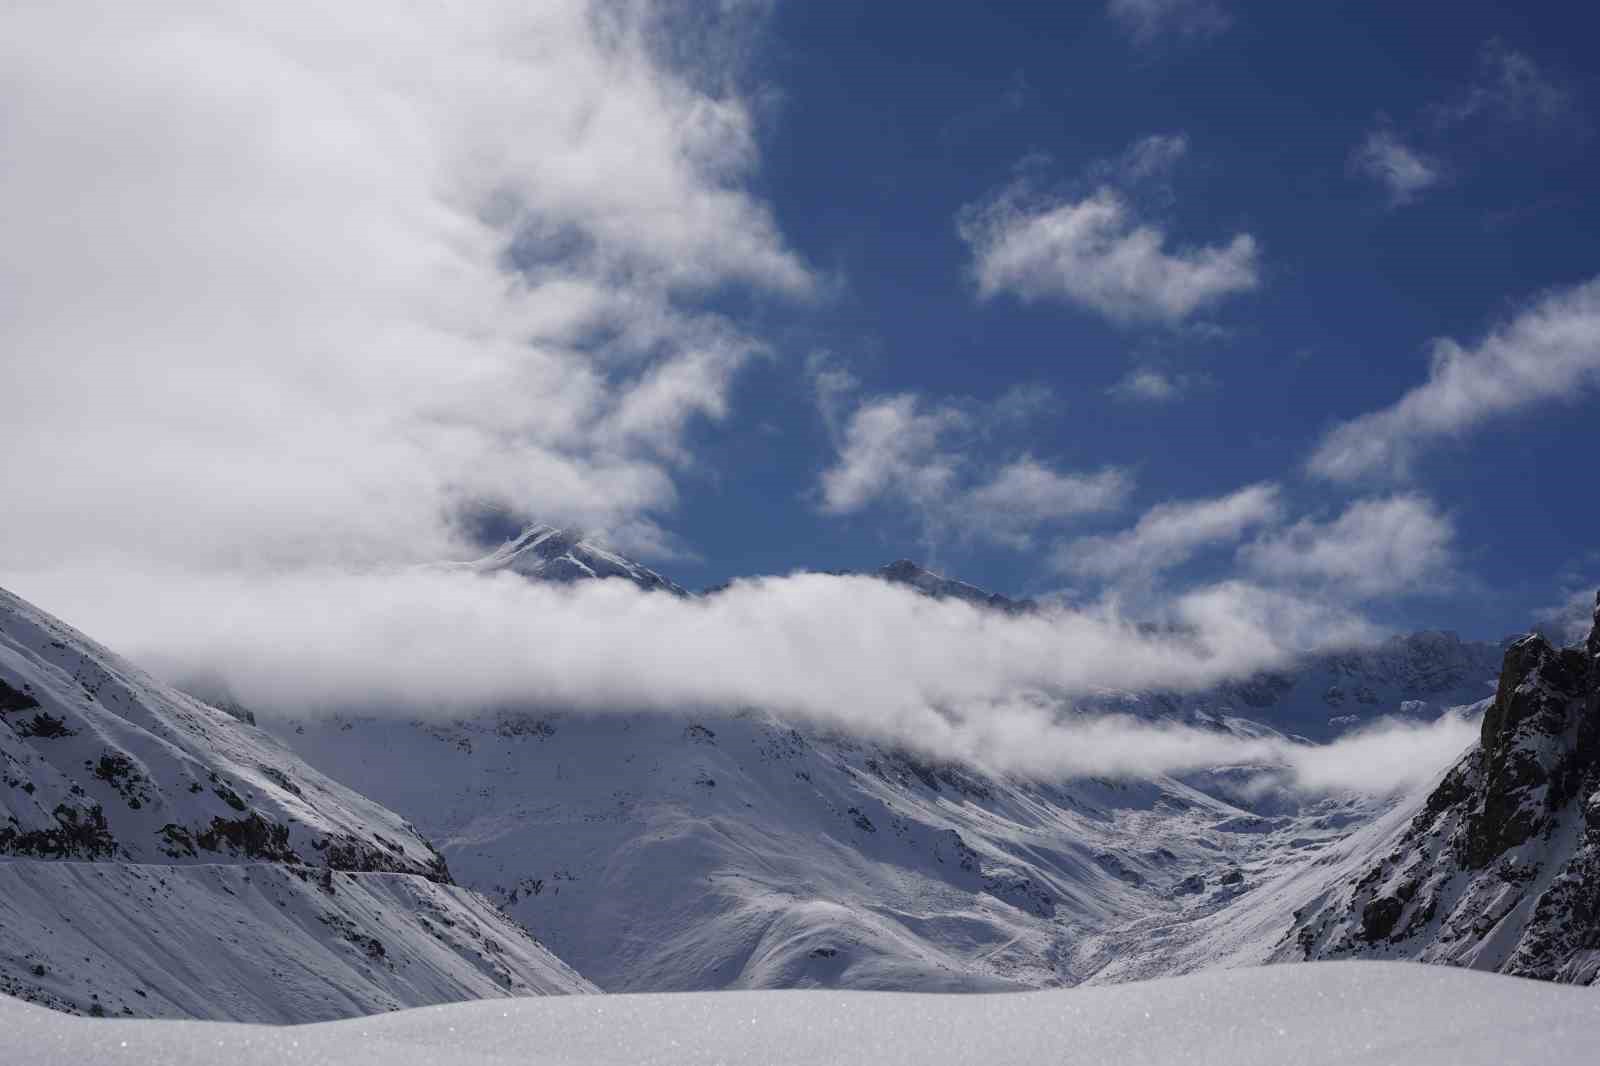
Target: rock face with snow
x,y
129,811
1499,868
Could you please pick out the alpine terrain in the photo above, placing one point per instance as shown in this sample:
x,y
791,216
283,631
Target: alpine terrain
x,y
741,850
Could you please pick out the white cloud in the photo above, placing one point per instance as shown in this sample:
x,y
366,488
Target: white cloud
x,y
878,660
925,458
1096,252
298,279
1025,493
1147,21
1548,353
1150,385
1404,172
892,446
1571,620
1170,534
1376,547
1510,87
1146,159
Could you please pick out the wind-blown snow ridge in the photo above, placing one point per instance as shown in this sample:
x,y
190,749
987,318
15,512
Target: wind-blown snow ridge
x,y
1327,1014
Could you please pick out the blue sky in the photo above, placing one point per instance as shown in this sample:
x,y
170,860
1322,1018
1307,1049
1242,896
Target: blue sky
x,y
885,127
1107,301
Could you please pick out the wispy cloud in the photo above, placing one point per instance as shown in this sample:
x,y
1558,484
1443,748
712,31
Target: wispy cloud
x,y
1150,21
1571,620
1151,385
1096,251
1375,547
1170,534
926,458
1548,353
1404,172
1510,87
357,267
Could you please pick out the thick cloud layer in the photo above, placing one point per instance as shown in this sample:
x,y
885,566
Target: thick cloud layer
x,y
306,280
852,653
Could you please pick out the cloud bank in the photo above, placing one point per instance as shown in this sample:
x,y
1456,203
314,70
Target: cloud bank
x,y
852,653
305,280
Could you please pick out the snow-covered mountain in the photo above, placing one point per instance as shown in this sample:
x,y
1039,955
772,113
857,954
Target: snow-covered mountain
x,y
1498,867
1334,1014
545,553
159,856
742,850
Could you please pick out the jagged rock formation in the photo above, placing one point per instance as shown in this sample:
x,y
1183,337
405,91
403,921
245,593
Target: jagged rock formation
x,y
161,857
1499,869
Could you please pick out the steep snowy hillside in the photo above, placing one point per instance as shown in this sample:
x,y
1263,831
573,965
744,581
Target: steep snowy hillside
x,y
132,817
1330,1014
1498,868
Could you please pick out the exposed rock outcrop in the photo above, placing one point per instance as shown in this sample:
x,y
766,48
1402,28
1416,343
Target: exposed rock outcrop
x,y
1500,868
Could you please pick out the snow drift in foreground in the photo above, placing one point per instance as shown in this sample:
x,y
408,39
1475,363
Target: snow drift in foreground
x,y
1342,1013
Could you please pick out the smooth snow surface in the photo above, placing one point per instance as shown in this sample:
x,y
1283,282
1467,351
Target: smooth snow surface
x,y
1327,1013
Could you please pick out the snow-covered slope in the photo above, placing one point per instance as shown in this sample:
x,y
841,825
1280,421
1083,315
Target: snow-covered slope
x,y
256,942
1329,1014
131,816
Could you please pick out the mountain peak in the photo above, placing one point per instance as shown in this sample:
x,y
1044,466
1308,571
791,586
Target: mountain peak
x,y
919,577
552,553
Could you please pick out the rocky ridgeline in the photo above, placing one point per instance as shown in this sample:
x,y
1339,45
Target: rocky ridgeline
x,y
1500,868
